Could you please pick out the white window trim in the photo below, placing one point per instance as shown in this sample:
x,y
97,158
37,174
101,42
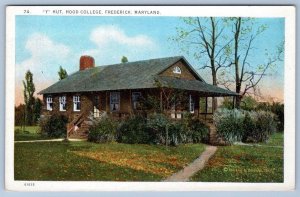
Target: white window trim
x,y
49,100
111,103
76,100
177,70
191,105
134,102
62,100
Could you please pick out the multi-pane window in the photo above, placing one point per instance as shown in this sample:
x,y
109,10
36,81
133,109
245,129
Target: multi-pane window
x,y
62,103
76,103
177,70
96,110
114,101
136,96
191,104
49,102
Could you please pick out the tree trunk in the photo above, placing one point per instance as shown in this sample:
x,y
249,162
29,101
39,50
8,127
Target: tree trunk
x,y
214,100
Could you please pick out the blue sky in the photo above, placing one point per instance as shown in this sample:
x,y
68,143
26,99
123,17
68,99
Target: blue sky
x,y
43,43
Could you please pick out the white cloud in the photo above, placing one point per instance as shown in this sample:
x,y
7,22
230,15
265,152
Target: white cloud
x,y
44,60
44,53
112,42
108,34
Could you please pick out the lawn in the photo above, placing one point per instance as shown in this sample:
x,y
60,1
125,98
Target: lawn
x,y
246,163
87,161
30,133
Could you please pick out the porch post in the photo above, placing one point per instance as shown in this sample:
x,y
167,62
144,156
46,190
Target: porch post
x,y
206,105
233,102
130,102
161,105
107,105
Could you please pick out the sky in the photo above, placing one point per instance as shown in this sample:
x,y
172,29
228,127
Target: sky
x,y
44,43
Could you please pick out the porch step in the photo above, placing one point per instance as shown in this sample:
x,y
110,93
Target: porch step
x,y
82,132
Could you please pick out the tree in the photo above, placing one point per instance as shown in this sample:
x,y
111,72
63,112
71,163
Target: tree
x,y
124,59
247,75
62,73
29,90
37,108
206,36
19,115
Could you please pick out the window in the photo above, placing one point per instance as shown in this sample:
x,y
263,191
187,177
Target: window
x,y
114,101
136,96
96,107
176,70
76,103
191,105
62,103
49,103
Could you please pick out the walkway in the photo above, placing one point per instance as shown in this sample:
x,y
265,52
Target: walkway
x,y
194,167
50,140
260,145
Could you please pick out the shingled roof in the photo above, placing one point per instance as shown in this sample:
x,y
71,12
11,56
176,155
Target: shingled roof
x,y
132,75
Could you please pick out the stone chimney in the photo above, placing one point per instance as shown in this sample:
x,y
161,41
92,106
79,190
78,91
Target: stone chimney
x,y
86,62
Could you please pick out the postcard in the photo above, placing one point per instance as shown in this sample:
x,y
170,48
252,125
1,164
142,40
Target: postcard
x,y
150,98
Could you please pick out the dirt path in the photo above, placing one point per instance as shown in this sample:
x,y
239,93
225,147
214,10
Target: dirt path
x,y
50,140
194,167
245,144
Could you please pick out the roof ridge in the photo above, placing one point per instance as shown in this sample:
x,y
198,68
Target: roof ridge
x,y
106,65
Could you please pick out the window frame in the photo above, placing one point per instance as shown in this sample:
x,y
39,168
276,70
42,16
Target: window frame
x,y
49,103
177,70
62,103
76,103
191,104
135,99
96,106
114,101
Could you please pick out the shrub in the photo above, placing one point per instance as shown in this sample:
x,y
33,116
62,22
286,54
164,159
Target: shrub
x,y
229,124
133,131
157,125
54,125
187,130
238,125
103,130
277,109
199,131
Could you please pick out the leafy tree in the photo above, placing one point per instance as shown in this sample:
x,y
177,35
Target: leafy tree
x,y
227,103
62,73
248,103
29,90
19,115
37,108
124,59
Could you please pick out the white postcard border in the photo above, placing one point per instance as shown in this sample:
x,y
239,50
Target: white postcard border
x,y
251,11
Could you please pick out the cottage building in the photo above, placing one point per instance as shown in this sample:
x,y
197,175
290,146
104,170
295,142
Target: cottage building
x,y
121,90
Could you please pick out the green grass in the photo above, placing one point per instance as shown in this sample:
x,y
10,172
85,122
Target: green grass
x,y
87,161
275,140
246,163
30,133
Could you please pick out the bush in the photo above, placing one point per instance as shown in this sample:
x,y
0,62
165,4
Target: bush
x,y
187,130
238,125
103,130
229,124
134,131
277,109
199,131
157,125
54,125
